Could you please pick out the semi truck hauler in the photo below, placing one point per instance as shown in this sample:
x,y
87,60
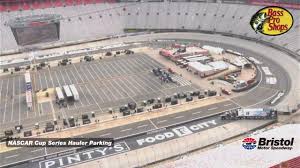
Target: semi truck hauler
x,y
74,92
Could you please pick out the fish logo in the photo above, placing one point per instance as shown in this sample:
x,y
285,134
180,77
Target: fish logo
x,y
258,21
272,21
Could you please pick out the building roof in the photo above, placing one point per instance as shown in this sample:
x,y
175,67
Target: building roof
x,y
202,58
200,67
216,50
219,65
239,61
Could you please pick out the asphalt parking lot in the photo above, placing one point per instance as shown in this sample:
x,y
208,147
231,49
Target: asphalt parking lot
x,y
12,99
102,84
110,83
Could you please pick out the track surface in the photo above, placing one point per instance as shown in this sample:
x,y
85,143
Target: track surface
x,y
255,97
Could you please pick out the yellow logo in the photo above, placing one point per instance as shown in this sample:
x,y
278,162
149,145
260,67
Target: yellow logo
x,y
272,21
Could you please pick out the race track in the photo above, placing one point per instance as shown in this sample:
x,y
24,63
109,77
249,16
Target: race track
x,y
283,67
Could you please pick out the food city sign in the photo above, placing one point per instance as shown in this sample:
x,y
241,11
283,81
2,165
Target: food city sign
x,y
175,132
272,21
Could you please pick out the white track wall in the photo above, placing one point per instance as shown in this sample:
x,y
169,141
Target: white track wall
x,y
111,19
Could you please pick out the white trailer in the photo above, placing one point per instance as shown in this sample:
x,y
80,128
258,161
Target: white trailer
x,y
74,91
68,93
29,100
250,114
214,50
234,52
253,112
27,77
59,95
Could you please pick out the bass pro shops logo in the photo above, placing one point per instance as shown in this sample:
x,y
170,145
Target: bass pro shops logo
x,y
249,143
272,21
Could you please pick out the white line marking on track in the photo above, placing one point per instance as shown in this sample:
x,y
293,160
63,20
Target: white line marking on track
x,y
104,134
178,117
214,108
161,121
236,103
12,156
153,124
140,126
37,150
128,129
197,112
225,105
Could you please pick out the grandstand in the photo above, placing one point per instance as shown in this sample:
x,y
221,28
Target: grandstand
x,y
108,19
242,158
15,5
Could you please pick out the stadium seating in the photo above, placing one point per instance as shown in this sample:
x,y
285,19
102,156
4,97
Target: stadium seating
x,y
98,20
14,5
292,163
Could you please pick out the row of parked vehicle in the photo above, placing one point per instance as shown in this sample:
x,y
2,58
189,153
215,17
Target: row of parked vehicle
x,y
163,75
127,52
157,103
49,126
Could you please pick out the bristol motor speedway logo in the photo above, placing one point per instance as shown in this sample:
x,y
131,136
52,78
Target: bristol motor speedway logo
x,y
268,143
249,143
